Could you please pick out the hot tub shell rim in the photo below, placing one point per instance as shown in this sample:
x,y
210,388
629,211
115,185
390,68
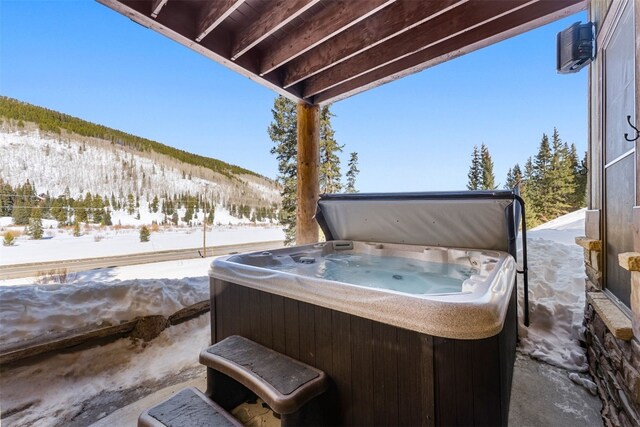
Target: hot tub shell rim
x,y
453,316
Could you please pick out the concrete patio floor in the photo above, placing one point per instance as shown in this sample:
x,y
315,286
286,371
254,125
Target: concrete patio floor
x,y
542,396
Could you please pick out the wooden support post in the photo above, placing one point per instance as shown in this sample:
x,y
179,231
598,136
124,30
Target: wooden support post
x,y
308,167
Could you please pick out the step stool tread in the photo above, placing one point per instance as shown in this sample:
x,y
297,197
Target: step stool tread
x,y
285,384
188,407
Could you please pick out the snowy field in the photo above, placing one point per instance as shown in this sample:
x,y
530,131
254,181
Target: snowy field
x,y
61,244
55,391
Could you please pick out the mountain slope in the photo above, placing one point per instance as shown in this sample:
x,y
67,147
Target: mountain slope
x,y
59,162
51,121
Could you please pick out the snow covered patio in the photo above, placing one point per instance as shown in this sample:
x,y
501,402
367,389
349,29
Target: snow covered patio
x,y
103,384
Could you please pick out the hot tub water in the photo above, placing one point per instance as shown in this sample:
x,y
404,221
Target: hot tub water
x,y
399,274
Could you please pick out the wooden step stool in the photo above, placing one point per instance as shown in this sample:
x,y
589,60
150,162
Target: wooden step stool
x,y
187,408
238,365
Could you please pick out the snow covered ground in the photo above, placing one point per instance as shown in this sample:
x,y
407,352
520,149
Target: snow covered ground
x,y
53,392
108,242
556,294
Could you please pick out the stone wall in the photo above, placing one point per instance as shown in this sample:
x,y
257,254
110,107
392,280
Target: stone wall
x,y
614,364
613,349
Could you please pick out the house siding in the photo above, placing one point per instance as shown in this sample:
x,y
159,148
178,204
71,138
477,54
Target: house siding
x,y
614,363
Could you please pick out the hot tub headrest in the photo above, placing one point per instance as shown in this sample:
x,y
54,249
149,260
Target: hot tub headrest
x,y
469,219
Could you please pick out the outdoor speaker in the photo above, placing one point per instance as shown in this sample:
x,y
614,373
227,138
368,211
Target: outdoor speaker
x,y
575,48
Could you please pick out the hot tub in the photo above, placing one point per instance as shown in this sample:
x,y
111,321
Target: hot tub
x,y
411,331
445,292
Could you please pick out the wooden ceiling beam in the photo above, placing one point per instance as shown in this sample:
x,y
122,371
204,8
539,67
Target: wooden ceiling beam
x,y
446,26
523,20
178,24
213,13
336,17
278,14
388,23
156,7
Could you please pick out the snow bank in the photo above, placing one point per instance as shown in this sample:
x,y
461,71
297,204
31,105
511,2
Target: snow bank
x,y
556,294
34,310
52,392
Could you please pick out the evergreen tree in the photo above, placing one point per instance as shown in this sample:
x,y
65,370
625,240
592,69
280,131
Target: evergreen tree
x,y
58,210
76,228
98,209
526,190
9,239
352,173
35,224
88,204
514,177
580,174
561,180
488,179
131,206
7,198
539,183
212,214
283,133
106,219
154,204
80,211
329,171
475,170
174,218
145,234
25,200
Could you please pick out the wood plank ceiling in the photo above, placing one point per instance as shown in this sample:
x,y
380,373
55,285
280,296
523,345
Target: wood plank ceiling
x,y
321,51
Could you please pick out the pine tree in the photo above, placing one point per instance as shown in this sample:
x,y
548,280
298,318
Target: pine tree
x,y
145,234
527,193
475,170
560,179
58,210
35,224
9,239
131,207
98,209
76,229
7,198
23,203
80,211
106,219
488,179
352,173
212,214
514,177
580,174
283,133
539,183
154,204
329,171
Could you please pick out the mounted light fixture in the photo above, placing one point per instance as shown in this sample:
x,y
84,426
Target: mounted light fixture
x,y
575,48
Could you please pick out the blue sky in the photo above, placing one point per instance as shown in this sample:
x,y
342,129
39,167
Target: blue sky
x,y
417,133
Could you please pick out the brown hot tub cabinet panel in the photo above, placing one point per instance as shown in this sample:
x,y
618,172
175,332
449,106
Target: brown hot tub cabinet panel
x,y
380,374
